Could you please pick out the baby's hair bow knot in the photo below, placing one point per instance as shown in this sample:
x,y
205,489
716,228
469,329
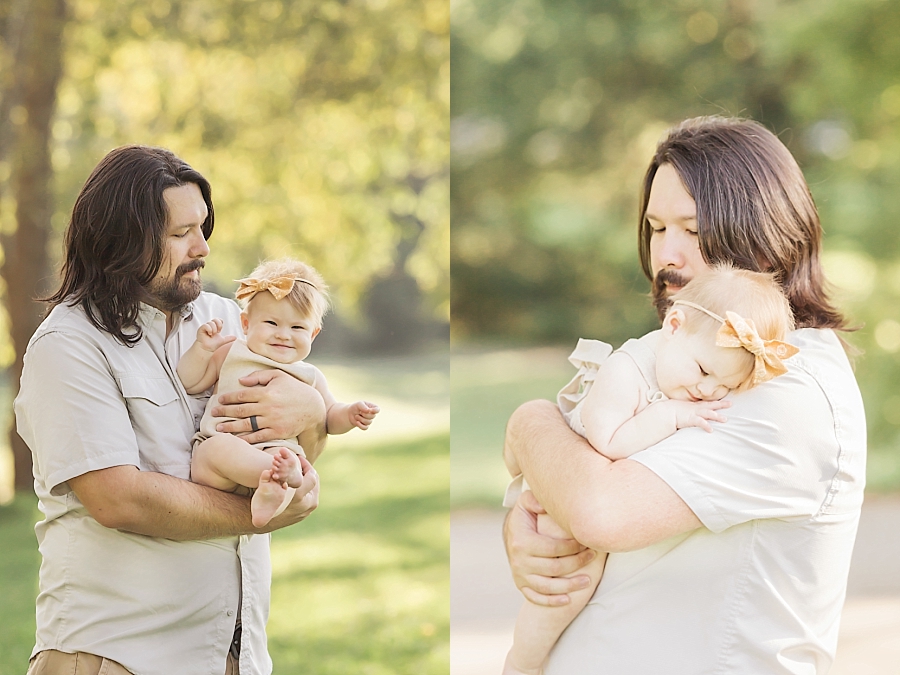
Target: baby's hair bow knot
x,y
279,287
739,332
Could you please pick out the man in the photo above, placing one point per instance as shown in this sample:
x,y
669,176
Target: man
x,y
729,551
144,571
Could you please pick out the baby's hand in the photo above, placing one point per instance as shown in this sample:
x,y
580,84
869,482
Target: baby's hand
x,y
210,338
362,413
699,413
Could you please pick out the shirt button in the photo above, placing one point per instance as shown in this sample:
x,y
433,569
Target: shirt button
x,y
230,612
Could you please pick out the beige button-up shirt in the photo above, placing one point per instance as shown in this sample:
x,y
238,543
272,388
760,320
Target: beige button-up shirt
x,y
157,606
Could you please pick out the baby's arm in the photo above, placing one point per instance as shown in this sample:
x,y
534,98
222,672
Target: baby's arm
x,y
609,418
199,366
342,417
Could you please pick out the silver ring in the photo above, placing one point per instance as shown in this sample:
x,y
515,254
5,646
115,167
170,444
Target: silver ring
x,y
253,424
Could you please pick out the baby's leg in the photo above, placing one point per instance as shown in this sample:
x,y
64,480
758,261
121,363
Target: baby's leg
x,y
538,627
225,461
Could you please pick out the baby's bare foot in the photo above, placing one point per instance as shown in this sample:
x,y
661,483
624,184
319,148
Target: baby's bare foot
x,y
286,468
267,499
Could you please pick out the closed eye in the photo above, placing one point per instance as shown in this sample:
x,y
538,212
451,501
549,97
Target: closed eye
x,y
271,323
702,372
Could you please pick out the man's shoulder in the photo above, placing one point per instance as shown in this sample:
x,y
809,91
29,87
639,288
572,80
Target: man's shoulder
x,y
819,384
211,305
69,320
207,299
823,360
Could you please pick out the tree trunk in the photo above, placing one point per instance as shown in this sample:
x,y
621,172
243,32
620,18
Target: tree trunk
x,y
25,265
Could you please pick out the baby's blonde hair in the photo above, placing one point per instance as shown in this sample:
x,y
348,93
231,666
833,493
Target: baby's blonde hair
x,y
309,296
753,295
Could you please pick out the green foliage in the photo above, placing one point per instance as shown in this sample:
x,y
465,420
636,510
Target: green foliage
x,y
322,126
557,108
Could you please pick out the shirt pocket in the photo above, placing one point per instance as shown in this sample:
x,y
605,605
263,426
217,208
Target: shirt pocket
x,y
157,391
162,424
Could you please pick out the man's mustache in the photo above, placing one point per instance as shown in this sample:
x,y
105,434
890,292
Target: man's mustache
x,y
197,264
667,277
660,294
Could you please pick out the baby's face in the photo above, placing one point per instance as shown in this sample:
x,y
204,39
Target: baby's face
x,y
690,367
277,329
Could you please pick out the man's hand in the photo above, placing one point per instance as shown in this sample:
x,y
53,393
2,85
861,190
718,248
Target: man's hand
x,y
303,503
283,407
538,562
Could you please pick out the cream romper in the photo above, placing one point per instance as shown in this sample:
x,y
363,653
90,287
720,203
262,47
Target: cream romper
x,y
239,363
588,356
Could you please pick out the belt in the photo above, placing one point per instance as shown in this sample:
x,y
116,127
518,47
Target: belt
x,y
235,648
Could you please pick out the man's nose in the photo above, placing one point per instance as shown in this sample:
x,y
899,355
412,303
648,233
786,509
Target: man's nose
x,y
671,250
200,249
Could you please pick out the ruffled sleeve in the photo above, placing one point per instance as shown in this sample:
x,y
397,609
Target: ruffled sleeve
x,y
588,356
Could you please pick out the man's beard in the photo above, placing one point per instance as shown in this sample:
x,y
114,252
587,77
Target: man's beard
x,y
173,294
660,292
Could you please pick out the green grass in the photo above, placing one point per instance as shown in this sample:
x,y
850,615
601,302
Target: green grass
x,y
486,387
363,585
19,563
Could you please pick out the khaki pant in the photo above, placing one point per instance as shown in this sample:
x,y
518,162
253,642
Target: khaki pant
x,y
52,662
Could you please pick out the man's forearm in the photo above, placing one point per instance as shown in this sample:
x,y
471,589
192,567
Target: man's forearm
x,y
159,505
607,506
559,465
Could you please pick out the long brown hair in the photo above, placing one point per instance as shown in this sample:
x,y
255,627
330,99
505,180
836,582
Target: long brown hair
x,y
754,209
114,244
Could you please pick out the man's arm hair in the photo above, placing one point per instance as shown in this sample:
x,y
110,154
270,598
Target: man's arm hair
x,y
159,505
607,506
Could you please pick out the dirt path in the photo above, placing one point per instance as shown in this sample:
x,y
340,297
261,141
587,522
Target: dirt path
x,y
484,601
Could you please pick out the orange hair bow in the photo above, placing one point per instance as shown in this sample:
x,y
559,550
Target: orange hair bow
x,y
736,331
279,287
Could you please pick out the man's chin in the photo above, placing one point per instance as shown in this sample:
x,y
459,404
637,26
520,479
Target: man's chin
x,y
173,298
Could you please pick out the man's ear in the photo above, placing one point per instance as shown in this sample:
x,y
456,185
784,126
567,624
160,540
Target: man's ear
x,y
673,322
245,321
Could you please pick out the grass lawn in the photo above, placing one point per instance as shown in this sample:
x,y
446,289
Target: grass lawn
x,y
363,585
486,387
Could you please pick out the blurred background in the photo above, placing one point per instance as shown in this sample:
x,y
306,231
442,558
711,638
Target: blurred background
x,y
323,129
556,111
